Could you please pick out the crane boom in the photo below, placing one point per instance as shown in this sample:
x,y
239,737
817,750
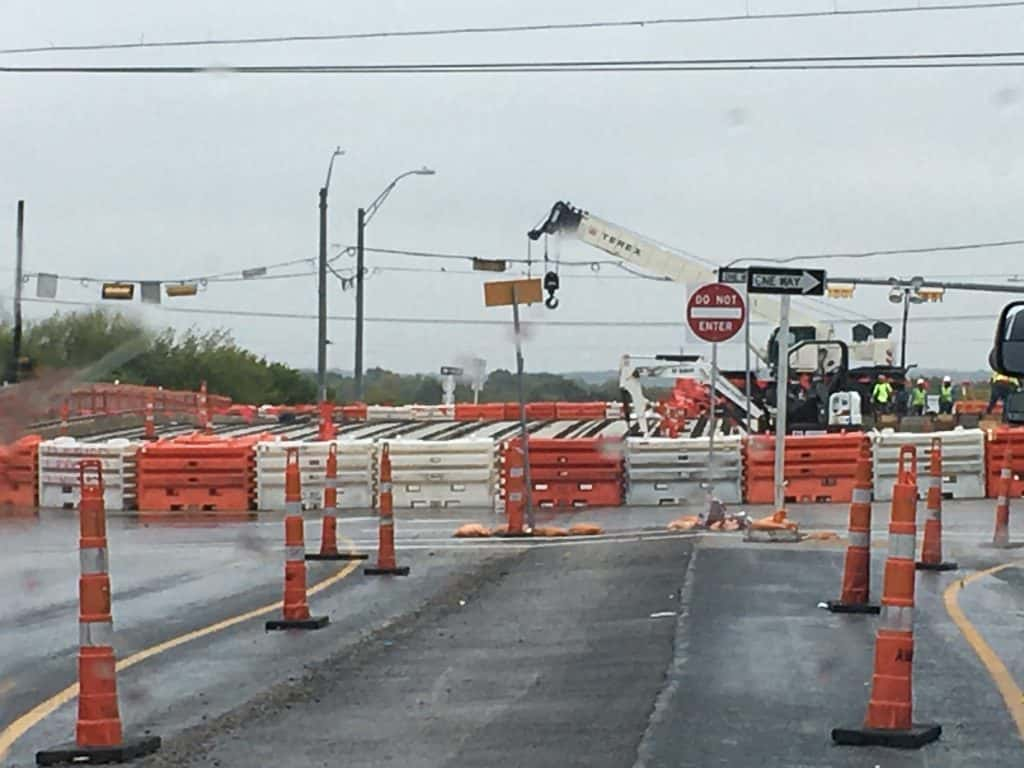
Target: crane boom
x,y
648,255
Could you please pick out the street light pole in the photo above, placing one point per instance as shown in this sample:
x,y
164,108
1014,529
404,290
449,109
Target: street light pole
x,y
321,335
363,218
16,340
360,231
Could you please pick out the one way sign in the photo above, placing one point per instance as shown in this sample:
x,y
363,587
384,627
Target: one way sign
x,y
797,282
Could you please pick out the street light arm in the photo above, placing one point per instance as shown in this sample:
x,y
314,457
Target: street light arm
x,y
373,207
330,166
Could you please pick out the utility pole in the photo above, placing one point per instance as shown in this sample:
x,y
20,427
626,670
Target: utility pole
x,y
321,338
321,335
16,341
360,231
903,331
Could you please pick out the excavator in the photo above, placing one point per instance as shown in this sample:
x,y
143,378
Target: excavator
x,y
820,364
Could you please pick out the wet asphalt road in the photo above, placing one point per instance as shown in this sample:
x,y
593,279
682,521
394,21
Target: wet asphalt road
x,y
506,655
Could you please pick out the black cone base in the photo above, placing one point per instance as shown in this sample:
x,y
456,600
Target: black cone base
x,y
837,606
936,566
376,570
313,622
121,753
336,556
915,738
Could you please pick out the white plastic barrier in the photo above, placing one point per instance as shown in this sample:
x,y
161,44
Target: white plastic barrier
x,y
59,485
388,413
963,461
443,473
670,471
355,473
432,412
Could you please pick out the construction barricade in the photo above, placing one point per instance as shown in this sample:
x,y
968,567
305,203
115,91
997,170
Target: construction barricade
x,y
667,471
481,412
820,468
579,472
580,411
355,473
19,470
963,461
443,473
59,475
540,411
995,449
198,473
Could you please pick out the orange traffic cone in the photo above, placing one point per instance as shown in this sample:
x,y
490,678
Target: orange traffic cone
x,y
205,422
150,424
326,430
98,733
329,535
1001,537
857,567
386,564
515,485
931,547
65,412
295,608
889,721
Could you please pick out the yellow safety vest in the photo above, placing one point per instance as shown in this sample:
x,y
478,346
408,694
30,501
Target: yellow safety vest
x,y
882,392
919,396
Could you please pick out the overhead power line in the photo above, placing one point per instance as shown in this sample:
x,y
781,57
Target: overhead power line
x,y
595,323
514,28
944,60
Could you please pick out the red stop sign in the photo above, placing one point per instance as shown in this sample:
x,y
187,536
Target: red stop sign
x,y
715,312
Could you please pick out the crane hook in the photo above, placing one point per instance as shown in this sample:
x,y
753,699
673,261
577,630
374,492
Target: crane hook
x,y
551,284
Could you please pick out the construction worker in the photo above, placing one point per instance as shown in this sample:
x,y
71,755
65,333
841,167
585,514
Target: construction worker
x,y
946,396
919,398
882,395
1002,385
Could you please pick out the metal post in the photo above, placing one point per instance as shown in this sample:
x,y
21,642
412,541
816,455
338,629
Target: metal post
x,y
321,330
782,391
903,333
16,340
524,433
360,230
712,425
746,349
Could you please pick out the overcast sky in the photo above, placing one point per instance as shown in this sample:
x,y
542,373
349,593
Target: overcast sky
x,y
147,177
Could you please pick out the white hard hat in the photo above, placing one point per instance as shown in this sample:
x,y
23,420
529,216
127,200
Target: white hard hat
x,y
947,379
920,381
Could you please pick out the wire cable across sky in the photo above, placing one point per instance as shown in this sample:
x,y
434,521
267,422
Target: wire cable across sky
x,y
637,24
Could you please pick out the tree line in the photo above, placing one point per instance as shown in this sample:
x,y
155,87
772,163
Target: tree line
x,y
108,346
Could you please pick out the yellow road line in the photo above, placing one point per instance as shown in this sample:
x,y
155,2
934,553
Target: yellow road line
x,y
1011,692
34,716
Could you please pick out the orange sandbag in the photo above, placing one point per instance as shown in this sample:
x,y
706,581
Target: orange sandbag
x,y
685,523
823,536
472,531
549,531
775,522
585,529
730,524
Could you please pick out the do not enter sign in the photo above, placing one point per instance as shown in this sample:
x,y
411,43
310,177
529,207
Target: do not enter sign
x,y
715,312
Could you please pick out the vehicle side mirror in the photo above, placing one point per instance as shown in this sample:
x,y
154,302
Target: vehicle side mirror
x,y
1008,352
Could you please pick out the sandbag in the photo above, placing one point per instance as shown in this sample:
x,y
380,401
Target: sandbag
x,y
472,531
549,531
585,529
684,523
